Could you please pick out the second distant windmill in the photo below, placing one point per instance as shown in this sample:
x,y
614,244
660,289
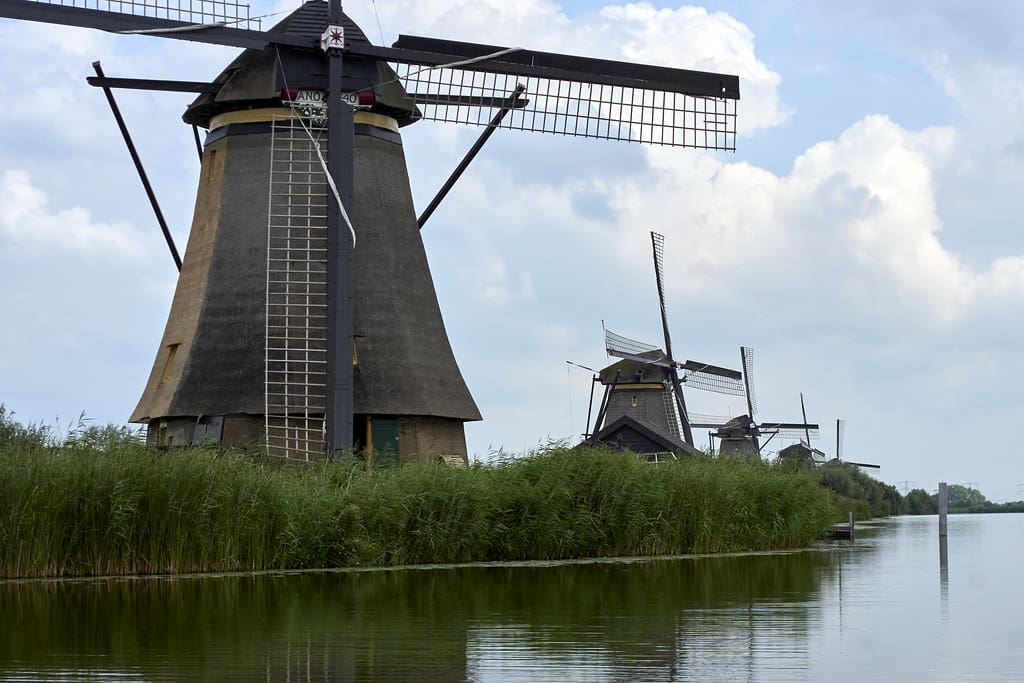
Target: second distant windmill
x,y
644,390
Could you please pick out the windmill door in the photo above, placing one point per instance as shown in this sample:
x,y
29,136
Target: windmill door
x,y
385,435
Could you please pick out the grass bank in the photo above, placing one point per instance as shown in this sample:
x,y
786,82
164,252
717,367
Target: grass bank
x,y
81,509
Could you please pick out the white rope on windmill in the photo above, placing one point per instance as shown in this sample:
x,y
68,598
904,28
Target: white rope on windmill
x,y
323,162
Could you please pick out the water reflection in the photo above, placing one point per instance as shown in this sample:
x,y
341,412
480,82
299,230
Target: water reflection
x,y
878,610
616,621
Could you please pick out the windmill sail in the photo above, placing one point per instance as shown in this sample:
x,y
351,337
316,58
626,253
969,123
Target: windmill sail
x,y
711,378
790,430
695,374
631,349
574,96
211,21
707,421
747,358
206,12
565,94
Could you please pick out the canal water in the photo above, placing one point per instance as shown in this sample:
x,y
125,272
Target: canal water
x,y
877,610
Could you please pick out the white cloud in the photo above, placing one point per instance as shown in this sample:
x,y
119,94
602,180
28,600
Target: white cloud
x,y
693,38
854,223
28,222
498,286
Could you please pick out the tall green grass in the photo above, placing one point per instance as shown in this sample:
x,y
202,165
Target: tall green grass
x,y
125,509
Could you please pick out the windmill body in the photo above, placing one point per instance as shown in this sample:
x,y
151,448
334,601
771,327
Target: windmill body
x,y
803,453
639,410
639,391
642,392
738,438
217,352
741,436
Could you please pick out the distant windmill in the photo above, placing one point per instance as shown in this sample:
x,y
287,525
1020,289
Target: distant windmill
x,y
646,386
741,436
840,436
284,329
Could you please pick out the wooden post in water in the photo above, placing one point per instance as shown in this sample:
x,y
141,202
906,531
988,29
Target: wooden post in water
x,y
851,526
943,511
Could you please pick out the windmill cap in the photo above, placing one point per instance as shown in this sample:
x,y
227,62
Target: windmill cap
x,y
257,77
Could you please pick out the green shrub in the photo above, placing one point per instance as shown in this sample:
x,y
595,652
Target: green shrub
x,y
859,493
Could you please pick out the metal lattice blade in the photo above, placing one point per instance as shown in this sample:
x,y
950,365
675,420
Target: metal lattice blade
x,y
422,50
569,95
658,246
630,349
441,100
797,433
713,378
219,22
790,430
747,357
705,421
565,95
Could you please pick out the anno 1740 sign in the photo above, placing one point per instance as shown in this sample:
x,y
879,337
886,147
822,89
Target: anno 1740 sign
x,y
309,104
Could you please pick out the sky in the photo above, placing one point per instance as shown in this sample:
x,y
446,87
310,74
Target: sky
x,y
863,238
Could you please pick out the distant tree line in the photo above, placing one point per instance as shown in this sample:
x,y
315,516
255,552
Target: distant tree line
x,y
962,499
857,492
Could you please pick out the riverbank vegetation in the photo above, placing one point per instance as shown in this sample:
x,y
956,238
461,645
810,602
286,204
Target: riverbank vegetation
x,y
93,500
102,503
858,492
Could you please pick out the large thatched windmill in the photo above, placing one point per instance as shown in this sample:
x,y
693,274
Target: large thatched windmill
x,y
305,315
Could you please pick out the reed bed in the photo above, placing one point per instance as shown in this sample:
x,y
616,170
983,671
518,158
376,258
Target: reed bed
x,y
79,510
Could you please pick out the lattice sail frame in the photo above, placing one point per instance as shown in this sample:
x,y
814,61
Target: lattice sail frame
x,y
790,432
707,420
623,347
575,108
630,349
203,12
707,381
747,355
296,309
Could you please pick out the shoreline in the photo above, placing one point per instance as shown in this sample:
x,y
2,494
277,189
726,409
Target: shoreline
x,y
821,546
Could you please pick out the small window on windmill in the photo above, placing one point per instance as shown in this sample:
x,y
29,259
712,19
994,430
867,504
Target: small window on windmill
x,y
634,401
212,159
172,351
